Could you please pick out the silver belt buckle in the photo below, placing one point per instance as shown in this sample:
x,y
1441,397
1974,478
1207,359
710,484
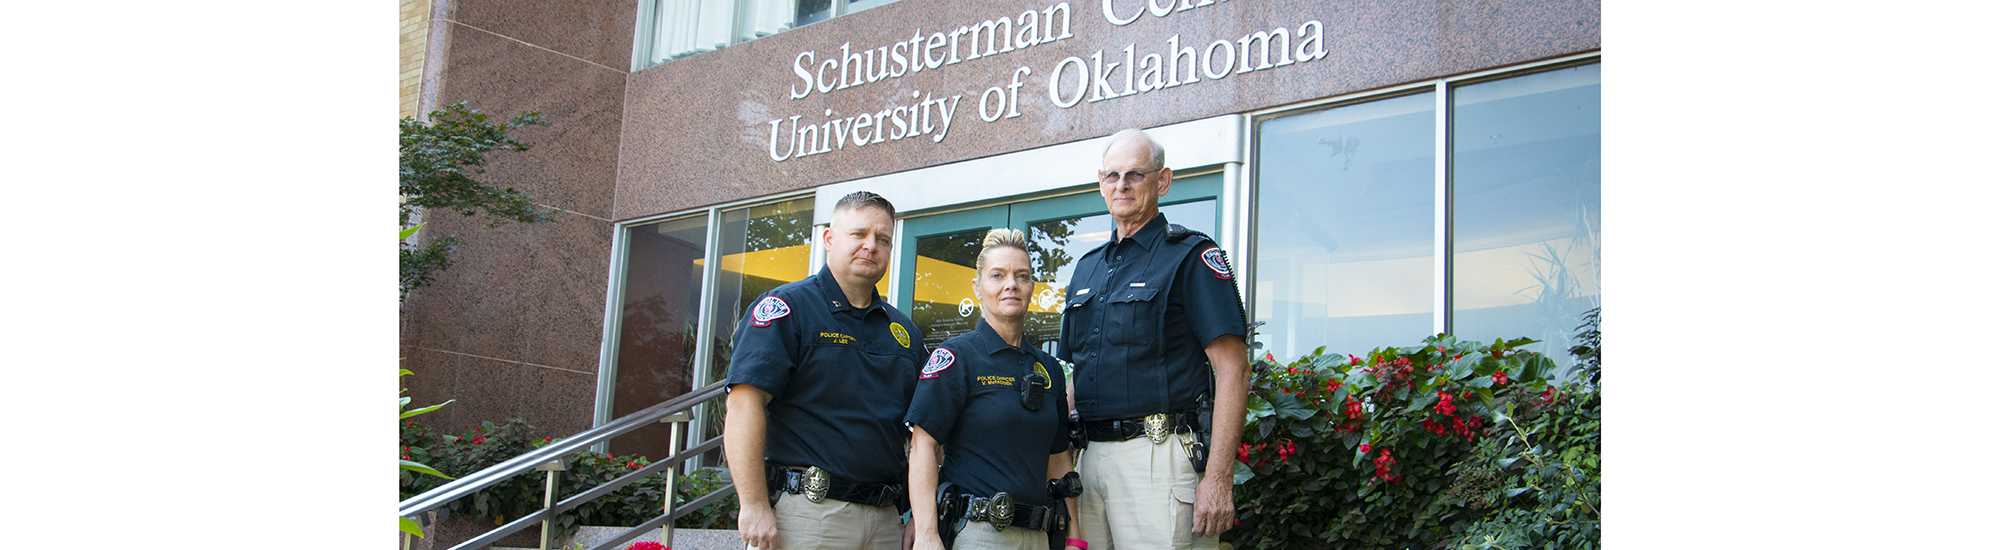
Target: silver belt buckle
x,y
1156,428
817,484
1000,511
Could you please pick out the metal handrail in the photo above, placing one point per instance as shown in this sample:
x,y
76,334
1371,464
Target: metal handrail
x,y
503,471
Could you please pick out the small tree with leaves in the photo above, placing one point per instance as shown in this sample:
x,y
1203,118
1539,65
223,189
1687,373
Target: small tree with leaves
x,y
439,159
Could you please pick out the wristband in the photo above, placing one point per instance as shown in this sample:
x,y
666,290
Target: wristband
x,y
1079,543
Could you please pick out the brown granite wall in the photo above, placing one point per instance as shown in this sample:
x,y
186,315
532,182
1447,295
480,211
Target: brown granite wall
x,y
698,129
512,330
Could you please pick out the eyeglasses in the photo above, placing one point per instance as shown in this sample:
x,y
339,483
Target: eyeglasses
x,y
1133,177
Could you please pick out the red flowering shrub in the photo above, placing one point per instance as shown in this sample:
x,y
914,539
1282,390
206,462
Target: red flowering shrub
x,y
1345,451
647,545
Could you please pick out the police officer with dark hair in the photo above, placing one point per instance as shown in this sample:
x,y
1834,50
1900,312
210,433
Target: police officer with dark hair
x,y
821,375
990,405
1148,314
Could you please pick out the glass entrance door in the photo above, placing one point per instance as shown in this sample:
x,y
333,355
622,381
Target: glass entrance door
x,y
939,252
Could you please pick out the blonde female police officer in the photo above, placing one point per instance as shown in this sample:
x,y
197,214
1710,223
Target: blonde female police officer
x,y
995,404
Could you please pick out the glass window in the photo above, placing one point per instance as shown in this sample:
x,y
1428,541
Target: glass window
x,y
686,27
858,5
762,247
657,323
1345,226
761,18
813,11
1525,207
672,29
944,305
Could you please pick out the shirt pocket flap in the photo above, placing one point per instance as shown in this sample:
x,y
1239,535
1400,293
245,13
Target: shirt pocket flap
x,y
1134,295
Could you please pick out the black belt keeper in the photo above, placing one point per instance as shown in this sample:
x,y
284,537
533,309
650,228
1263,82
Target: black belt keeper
x,y
793,480
1122,429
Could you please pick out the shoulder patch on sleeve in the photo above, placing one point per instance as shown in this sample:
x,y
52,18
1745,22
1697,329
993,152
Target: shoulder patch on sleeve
x,y
769,309
1215,261
940,360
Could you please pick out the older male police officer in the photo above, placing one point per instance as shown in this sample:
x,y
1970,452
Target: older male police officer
x,y
822,373
1148,313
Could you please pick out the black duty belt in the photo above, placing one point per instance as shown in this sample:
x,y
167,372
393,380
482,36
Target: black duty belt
x,y
1002,512
1157,426
817,485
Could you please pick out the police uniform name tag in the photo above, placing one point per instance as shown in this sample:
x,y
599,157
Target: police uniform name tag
x,y
769,309
940,360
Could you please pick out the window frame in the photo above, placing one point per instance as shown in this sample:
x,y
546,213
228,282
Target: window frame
x,y
1445,87
607,353
644,39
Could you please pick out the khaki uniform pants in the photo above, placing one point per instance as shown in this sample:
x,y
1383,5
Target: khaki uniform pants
x,y
1139,496
979,535
836,525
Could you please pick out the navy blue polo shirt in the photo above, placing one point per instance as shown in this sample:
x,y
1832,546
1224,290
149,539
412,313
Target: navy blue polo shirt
x,y
969,399
1141,311
840,378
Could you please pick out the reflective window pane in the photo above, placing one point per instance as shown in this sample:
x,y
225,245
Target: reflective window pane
x,y
686,27
858,5
762,247
812,11
1346,200
657,322
680,28
1054,246
1526,215
943,304
761,18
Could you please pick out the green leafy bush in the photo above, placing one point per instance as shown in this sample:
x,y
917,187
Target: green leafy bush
x,y
720,515
1542,463
1353,452
487,444
439,157
407,466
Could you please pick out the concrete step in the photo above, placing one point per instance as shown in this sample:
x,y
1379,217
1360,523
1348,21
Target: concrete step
x,y
684,539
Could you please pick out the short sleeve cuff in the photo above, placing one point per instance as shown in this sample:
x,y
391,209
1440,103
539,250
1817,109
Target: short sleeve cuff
x,y
939,428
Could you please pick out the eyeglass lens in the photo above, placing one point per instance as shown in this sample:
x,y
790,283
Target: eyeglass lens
x,y
1132,177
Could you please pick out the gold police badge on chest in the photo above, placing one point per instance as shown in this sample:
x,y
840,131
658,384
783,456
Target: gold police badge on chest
x,y
902,336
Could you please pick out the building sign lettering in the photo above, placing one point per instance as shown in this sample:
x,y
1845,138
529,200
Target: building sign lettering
x,y
1131,70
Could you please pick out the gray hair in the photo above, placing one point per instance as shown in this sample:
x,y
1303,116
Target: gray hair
x,y
1159,153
